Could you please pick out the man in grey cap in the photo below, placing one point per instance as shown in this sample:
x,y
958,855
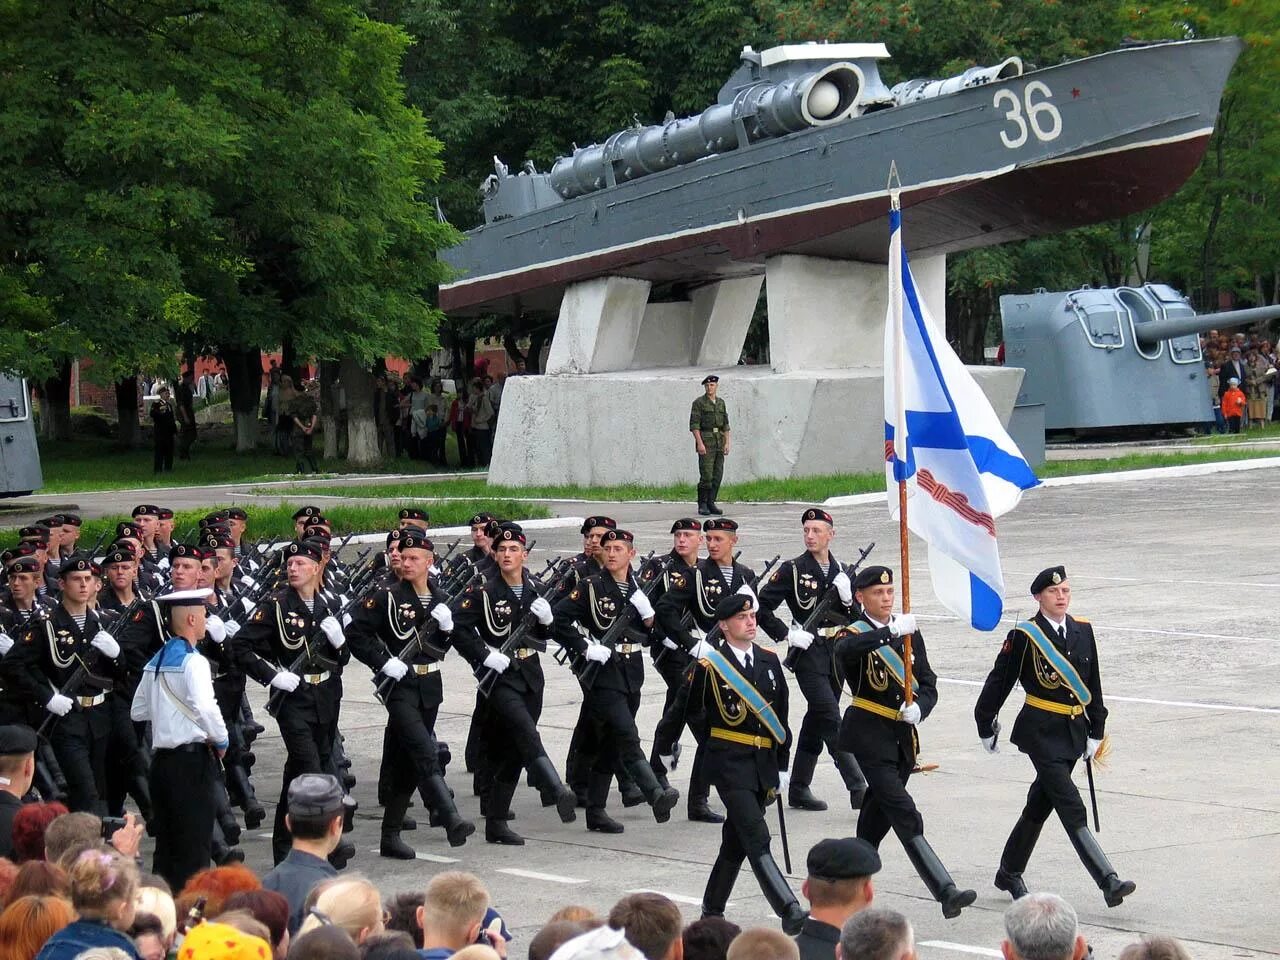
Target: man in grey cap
x,y
316,806
838,886
17,769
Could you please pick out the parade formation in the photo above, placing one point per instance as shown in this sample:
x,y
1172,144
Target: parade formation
x,y
131,661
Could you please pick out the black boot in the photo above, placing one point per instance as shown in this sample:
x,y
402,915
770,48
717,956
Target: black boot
x,y
391,845
662,799
254,814
852,776
220,851
226,817
140,790
1010,883
632,795
341,854
543,774
703,509
936,878
700,811
1017,851
712,492
600,822
496,829
778,892
799,796
719,885
441,800
1114,890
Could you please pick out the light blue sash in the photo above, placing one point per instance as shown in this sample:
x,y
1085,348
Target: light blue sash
x,y
718,662
890,657
1056,659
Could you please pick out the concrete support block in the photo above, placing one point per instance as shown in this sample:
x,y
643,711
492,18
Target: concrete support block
x,y
824,314
666,336
599,323
931,281
722,313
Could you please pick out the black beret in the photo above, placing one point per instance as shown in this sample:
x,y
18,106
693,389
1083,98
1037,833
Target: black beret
x,y
393,537
316,532
214,519
184,550
720,523
236,513
16,739
415,540
686,523
304,548
480,518
77,563
815,513
37,531
22,551
591,523
734,604
23,564
316,795
624,535
304,513
871,577
1048,577
117,555
125,546
165,513
512,531
72,518
842,859
52,521
214,541
413,513
145,510
710,378
128,530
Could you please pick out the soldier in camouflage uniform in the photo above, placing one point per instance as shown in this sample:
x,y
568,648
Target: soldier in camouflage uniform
x,y
709,424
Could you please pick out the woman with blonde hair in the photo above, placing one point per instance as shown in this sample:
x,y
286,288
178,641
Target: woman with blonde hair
x,y
29,922
102,885
352,904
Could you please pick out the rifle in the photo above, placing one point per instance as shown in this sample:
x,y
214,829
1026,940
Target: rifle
x,y
553,589
686,622
713,634
93,551
422,635
823,607
589,668
276,698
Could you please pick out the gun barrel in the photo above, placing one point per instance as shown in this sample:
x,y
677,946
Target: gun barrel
x,y
1154,331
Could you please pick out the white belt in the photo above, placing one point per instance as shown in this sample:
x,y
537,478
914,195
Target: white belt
x,y
91,701
629,648
316,678
524,653
422,669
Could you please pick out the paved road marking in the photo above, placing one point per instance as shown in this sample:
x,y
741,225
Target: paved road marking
x,y
429,857
677,897
534,875
1159,703
960,948
947,617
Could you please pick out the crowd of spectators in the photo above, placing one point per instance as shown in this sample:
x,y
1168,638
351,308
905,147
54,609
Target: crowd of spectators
x,y
65,894
1241,373
416,418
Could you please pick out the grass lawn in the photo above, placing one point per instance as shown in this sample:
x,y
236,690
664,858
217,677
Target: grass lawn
x,y
276,523
1270,431
92,463
801,489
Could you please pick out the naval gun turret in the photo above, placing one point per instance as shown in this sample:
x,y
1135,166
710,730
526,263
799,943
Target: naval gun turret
x,y
1123,357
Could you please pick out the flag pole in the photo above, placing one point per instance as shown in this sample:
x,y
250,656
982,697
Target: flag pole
x,y
893,186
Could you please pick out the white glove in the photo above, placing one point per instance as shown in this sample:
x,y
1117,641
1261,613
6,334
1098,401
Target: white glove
x,y
746,591
900,624
286,681
498,662
784,781
541,609
909,713
598,652
668,761
344,600
333,630
642,604
443,616
670,644
346,620
799,638
216,629
164,563
989,744
59,705
6,642
843,587
232,627
248,581
700,649
105,644
395,668
1091,747
249,605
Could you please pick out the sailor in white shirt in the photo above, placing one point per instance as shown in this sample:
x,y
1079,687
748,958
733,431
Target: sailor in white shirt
x,y
175,695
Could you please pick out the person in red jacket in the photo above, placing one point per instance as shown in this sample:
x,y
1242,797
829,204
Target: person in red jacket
x,y
1233,404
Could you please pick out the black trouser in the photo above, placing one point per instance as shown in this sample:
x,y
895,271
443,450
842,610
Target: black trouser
x,y
128,766
308,745
164,452
228,691
464,447
80,743
821,725
672,667
612,714
887,803
510,738
416,757
183,785
185,440
1052,790
743,836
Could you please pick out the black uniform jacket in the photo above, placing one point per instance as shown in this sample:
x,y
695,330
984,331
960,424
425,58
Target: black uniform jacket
x,y
593,605
869,734
817,940
1041,733
673,563
698,593
707,703
385,623
483,618
281,629
47,652
800,584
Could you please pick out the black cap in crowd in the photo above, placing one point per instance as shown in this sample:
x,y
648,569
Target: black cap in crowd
x,y
816,513
413,513
686,523
214,541
412,539
127,530
118,554
316,532
304,548
146,510
591,523
734,604
482,518
393,536
872,576
22,563
36,532
77,563
625,536
1049,577
314,795
72,518
236,513
842,859
52,521
511,531
720,523
16,739
710,378
164,514
187,551
306,513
